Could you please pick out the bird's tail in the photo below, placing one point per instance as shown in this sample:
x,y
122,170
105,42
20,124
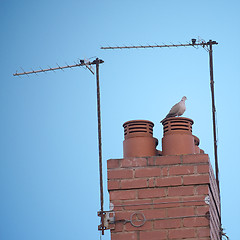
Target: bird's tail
x,y
168,116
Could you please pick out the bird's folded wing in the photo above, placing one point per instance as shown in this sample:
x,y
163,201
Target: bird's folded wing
x,y
174,110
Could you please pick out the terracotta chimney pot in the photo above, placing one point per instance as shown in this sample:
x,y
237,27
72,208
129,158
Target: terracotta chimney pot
x,y
177,138
139,140
196,142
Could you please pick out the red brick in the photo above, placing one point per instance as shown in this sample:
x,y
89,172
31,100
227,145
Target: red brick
x,y
137,204
134,162
165,171
152,235
168,181
205,238
146,226
113,163
215,192
124,235
193,201
195,158
151,182
122,195
154,213
180,191
151,193
202,189
118,227
168,160
180,212
148,172
167,223
117,204
113,185
151,161
133,183
214,233
214,188
181,170
203,168
203,232
200,179
202,210
195,222
166,202
181,233
123,215
120,174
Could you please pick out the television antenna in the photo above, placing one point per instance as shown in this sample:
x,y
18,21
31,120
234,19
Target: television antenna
x,y
196,43
89,65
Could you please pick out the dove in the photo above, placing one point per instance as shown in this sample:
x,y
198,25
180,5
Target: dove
x,y
178,109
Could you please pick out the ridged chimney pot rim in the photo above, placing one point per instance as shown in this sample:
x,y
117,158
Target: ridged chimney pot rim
x,y
138,121
177,118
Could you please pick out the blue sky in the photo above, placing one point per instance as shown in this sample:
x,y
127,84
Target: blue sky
x,y
49,151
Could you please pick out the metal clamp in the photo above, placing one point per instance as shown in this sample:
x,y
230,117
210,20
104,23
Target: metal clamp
x,y
108,220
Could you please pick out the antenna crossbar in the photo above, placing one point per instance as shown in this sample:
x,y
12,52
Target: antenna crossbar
x,y
193,44
81,64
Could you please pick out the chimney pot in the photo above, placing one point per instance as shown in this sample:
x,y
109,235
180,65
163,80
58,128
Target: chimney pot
x,y
139,140
177,138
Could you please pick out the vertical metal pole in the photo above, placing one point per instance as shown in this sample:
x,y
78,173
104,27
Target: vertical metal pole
x,y
213,113
214,126
99,143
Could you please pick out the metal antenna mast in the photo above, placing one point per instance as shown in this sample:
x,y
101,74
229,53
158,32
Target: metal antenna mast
x,y
88,65
208,47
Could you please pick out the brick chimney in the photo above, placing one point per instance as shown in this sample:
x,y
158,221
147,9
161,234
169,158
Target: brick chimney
x,y
172,196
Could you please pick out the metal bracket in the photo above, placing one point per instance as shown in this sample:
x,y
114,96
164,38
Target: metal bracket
x,y
109,220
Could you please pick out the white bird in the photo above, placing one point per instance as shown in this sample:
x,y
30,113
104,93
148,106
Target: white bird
x,y
178,109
